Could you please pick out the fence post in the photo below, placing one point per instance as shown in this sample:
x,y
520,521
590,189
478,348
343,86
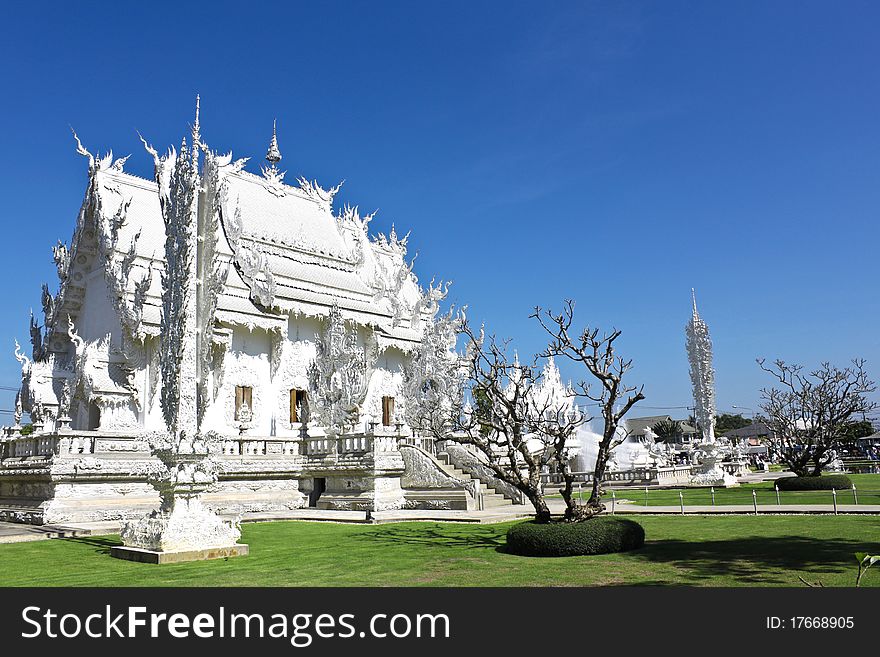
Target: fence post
x,y
855,494
713,495
681,501
755,500
580,492
776,486
646,495
613,500
834,495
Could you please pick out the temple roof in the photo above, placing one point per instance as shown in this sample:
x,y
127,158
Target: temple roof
x,y
315,259
288,218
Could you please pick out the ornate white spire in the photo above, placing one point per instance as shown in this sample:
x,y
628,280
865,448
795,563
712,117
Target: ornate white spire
x,y
273,154
196,130
699,350
273,176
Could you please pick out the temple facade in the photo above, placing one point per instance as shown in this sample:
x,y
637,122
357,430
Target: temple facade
x,y
281,324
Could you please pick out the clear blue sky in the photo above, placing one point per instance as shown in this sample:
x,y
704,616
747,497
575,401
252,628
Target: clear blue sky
x,y
618,153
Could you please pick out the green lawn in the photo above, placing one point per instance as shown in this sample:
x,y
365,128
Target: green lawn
x,y
867,490
701,551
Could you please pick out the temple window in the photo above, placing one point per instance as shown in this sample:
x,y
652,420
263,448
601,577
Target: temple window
x,y
298,409
242,397
387,411
94,417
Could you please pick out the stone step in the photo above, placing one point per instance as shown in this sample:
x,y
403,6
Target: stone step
x,y
455,472
463,475
494,500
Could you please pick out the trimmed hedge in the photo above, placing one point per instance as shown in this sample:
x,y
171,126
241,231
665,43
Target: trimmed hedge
x,y
823,482
599,535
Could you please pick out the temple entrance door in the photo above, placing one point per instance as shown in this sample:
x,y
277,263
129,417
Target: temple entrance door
x,y
319,485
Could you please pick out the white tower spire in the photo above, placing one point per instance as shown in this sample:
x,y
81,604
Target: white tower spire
x,y
274,153
274,178
196,130
699,350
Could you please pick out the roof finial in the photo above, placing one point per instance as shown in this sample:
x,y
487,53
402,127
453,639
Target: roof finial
x,y
196,133
273,154
694,298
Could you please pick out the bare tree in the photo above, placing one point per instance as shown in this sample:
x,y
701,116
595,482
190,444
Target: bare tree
x,y
597,354
556,428
809,414
494,405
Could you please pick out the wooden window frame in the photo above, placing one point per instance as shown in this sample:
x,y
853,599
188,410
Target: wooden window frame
x,y
387,411
243,394
300,397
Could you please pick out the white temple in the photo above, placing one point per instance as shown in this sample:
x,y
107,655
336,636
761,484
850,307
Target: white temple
x,y
301,328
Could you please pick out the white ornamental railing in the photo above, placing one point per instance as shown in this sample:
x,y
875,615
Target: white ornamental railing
x,y
424,443
92,442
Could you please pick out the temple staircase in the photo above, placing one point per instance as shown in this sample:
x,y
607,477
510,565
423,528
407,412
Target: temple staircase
x,y
491,497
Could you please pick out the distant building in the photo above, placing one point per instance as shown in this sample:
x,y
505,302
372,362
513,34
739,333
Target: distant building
x,y
870,441
754,435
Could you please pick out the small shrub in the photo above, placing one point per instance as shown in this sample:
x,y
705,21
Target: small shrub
x,y
599,535
824,482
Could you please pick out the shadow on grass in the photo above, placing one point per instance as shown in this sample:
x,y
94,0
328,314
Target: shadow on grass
x,y
438,536
754,559
102,543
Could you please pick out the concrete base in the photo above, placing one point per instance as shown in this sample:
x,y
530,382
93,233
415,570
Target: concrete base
x,y
151,556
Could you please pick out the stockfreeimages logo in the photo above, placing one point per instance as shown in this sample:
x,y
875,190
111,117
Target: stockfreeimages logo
x,y
299,629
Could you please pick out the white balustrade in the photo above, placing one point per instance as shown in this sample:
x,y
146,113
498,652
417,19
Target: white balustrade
x,y
356,443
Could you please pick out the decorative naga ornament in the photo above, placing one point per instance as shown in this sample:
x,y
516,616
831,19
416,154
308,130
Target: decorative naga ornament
x,y
183,529
699,350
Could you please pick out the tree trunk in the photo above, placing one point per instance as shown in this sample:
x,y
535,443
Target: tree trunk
x,y
594,504
570,504
542,512
797,462
573,511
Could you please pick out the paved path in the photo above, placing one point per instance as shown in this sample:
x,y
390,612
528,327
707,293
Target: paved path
x,y
739,509
495,514
758,477
15,533
12,532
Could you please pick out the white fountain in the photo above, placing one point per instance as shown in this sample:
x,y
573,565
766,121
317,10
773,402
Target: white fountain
x,y
630,453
